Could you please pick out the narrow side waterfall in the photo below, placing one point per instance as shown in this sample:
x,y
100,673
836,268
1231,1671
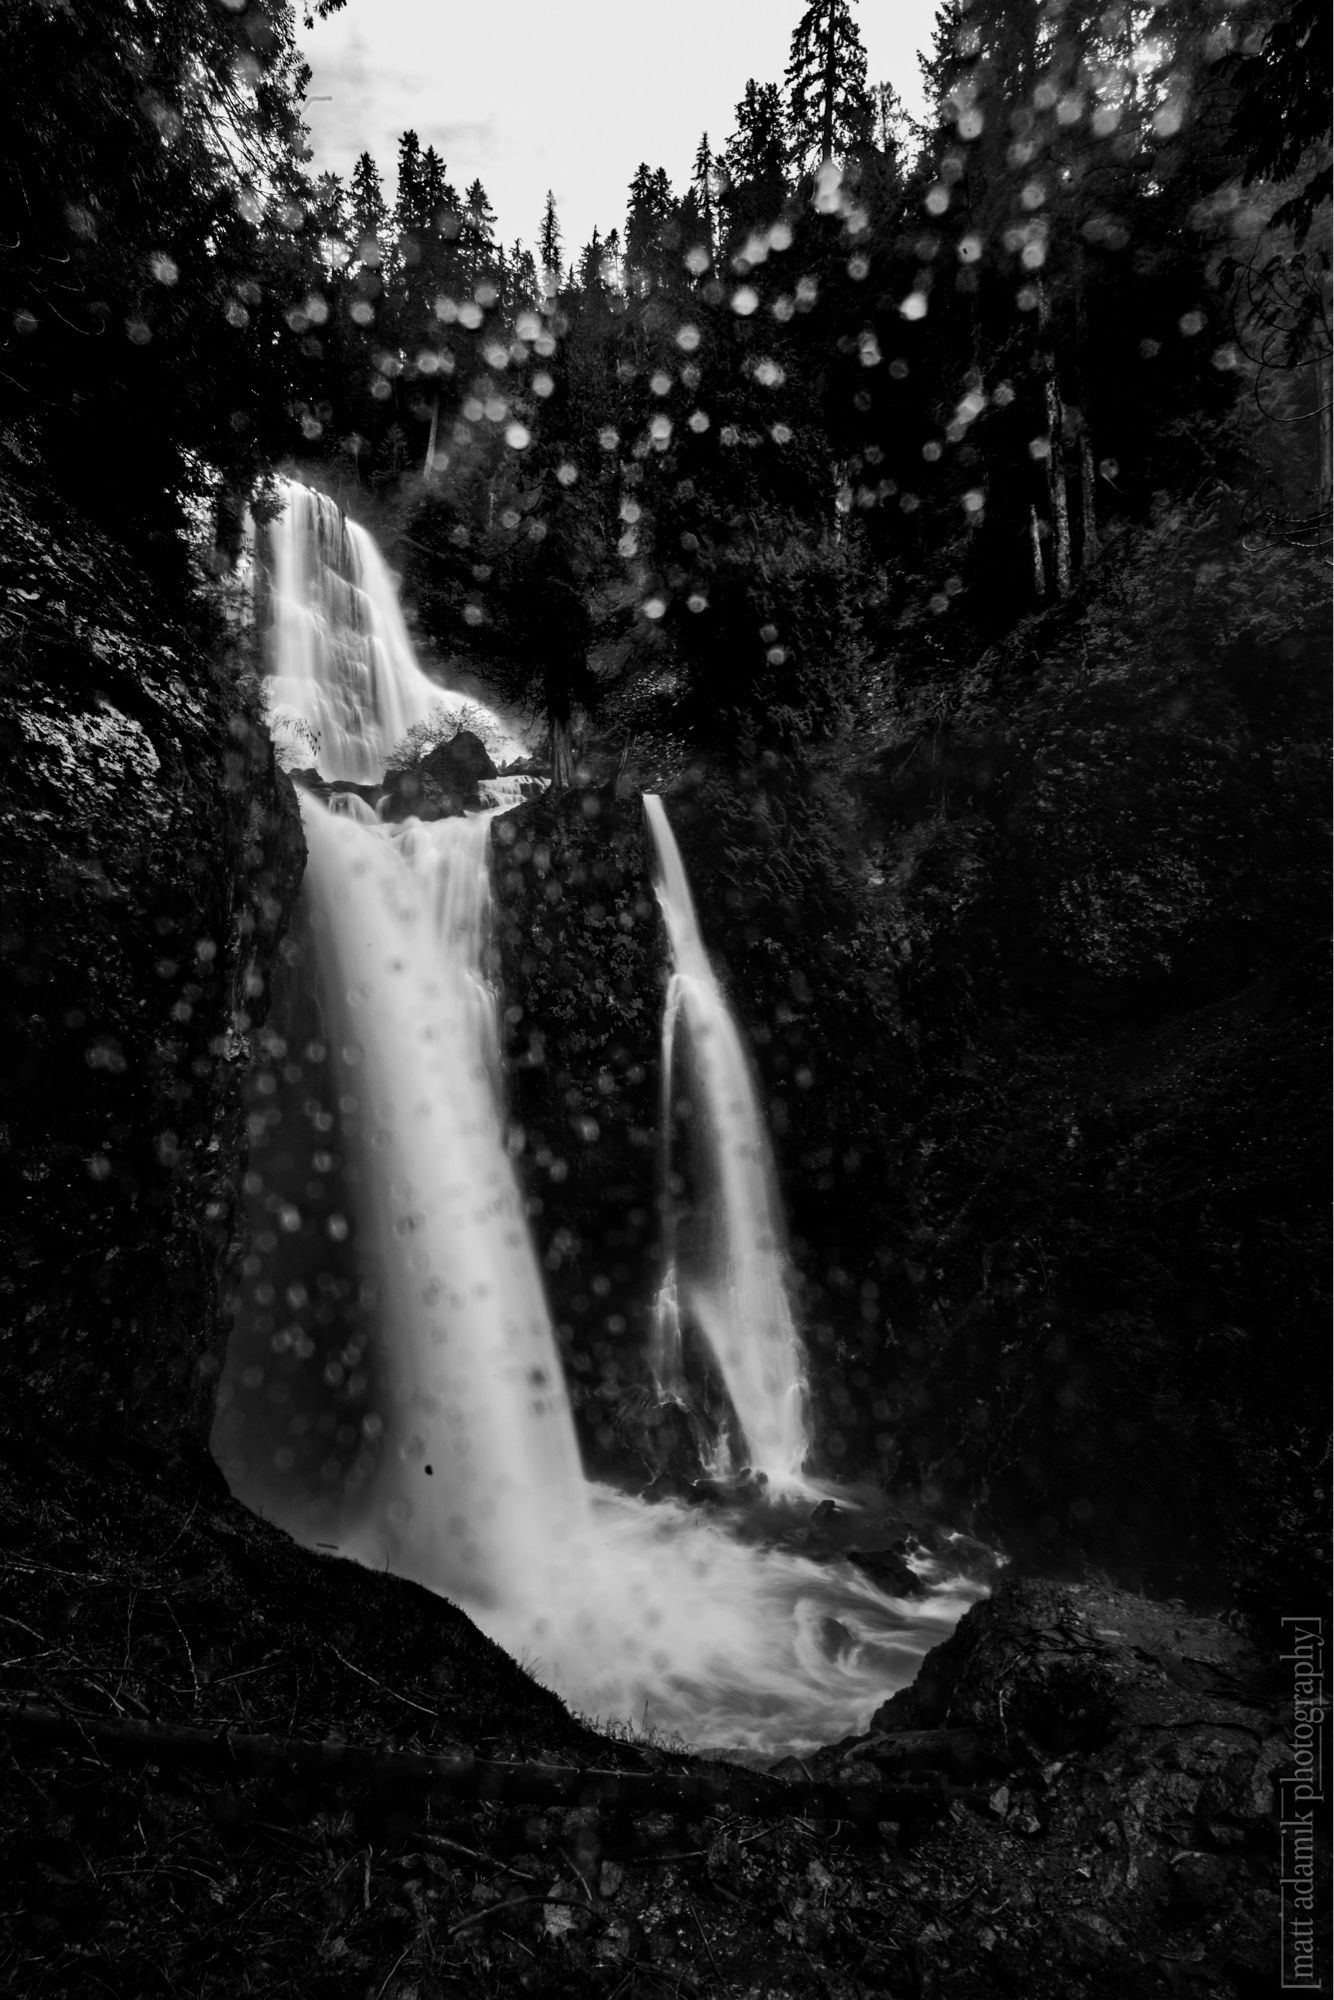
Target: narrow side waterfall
x,y
340,659
730,1280
393,1389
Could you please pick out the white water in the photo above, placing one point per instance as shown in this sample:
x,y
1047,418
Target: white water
x,y
654,1614
731,1280
340,659
470,1384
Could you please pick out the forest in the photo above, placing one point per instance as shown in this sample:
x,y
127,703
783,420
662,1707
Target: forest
x,y
934,515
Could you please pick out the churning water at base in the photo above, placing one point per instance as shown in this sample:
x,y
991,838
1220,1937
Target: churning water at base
x,y
666,1620
391,1250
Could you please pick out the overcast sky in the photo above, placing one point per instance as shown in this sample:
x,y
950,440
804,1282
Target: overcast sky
x,y
563,94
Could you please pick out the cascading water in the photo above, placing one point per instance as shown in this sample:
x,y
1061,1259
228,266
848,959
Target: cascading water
x,y
731,1280
340,659
393,1389
479,1476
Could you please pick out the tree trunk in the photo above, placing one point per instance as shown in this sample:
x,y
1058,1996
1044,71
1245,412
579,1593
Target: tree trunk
x,y
830,85
1088,508
562,756
1088,496
1324,384
1055,409
1039,566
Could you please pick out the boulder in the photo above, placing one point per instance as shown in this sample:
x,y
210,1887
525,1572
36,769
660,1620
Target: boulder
x,y
1120,1763
888,1570
1044,1669
458,764
442,784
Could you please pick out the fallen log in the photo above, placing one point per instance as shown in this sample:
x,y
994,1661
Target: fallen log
x,y
417,1779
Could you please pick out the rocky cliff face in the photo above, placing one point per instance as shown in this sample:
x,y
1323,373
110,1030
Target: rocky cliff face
x,y
150,855
1031,965
583,965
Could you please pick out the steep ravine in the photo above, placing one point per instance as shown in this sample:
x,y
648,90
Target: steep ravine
x,y
1114,1826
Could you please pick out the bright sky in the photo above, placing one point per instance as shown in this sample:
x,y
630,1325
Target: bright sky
x,y
565,94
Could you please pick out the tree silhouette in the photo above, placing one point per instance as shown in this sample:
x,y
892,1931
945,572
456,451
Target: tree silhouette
x,y
828,102
549,244
755,160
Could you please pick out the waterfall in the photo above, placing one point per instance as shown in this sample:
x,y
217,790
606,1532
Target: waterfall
x,y
476,1477
479,1478
731,1281
393,1390
341,664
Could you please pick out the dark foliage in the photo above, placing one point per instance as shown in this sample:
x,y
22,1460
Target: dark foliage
x,y
152,223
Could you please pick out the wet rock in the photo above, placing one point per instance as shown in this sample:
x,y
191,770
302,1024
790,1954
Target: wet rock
x,y
150,853
1093,1660
582,962
958,1753
462,762
408,795
1091,1942
441,785
1201,1884
889,1570
1118,1759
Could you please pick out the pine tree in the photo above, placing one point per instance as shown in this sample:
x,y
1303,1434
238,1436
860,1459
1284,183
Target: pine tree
x,y
328,218
368,212
478,240
549,245
694,237
828,102
702,180
613,260
520,290
754,164
590,276
328,209
440,208
408,210
651,205
892,128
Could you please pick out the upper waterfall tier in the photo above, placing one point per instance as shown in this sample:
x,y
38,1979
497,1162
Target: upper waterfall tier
x,y
339,657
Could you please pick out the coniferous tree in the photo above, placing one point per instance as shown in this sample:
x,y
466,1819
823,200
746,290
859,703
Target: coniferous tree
x,y
591,276
829,105
329,217
368,212
520,288
691,233
151,208
615,259
409,206
892,128
703,184
477,241
754,163
647,217
549,245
